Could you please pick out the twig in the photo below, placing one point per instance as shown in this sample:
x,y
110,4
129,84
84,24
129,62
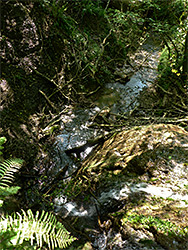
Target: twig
x,y
56,118
50,80
90,93
107,5
180,106
48,100
177,52
165,91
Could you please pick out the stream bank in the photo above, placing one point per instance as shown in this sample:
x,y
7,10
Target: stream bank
x,y
50,57
132,192
119,194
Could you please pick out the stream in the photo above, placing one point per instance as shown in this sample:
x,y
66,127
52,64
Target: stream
x,y
120,98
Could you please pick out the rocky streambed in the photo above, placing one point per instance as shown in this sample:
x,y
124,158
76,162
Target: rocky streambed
x,y
130,191
138,186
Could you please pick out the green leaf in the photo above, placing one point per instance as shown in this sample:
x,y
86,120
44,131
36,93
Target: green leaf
x,y
7,170
6,191
45,228
2,140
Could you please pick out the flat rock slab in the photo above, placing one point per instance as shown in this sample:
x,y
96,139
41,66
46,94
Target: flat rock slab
x,y
140,149
150,163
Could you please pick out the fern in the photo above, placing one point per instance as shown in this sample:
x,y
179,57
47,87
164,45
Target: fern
x,y
7,170
43,228
22,227
2,141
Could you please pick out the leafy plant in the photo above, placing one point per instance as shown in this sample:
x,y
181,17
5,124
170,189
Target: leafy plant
x,y
123,24
19,228
2,141
7,170
43,228
148,222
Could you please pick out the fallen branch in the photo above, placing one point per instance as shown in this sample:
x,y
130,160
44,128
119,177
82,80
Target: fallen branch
x,y
180,106
165,91
90,93
48,100
56,118
51,81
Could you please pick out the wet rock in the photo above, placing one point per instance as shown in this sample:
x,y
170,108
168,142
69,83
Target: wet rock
x,y
142,173
140,181
122,76
143,149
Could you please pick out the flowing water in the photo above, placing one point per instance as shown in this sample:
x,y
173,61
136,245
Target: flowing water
x,y
124,96
120,98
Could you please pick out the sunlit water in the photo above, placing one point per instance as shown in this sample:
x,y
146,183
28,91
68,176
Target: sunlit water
x,y
120,98
125,95
76,132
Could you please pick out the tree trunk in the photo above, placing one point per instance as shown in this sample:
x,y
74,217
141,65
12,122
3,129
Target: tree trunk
x,y
185,61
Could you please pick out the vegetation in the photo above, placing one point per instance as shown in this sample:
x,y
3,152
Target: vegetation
x,y
17,229
57,55
149,222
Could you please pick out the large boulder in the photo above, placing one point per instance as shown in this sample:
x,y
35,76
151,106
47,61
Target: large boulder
x,y
146,170
142,150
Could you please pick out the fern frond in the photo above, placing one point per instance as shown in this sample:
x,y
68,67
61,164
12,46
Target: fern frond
x,y
7,170
41,229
